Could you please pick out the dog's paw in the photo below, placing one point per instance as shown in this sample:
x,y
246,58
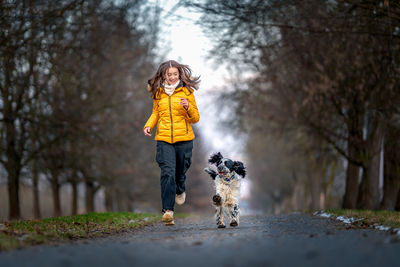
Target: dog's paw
x,y
221,225
217,200
234,223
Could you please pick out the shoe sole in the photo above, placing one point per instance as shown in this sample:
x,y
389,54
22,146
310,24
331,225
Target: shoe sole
x,y
167,218
170,223
180,202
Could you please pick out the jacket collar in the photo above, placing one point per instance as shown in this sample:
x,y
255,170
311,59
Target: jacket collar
x,y
179,87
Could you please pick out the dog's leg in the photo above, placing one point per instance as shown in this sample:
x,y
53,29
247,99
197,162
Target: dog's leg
x,y
217,200
219,217
234,214
212,173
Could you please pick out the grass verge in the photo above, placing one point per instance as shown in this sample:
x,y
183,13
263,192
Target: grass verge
x,y
371,217
18,234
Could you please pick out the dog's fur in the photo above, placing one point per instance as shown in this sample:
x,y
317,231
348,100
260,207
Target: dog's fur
x,y
227,182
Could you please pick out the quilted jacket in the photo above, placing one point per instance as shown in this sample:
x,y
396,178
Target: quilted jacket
x,y
172,119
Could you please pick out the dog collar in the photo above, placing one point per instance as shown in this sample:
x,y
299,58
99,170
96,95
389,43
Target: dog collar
x,y
225,179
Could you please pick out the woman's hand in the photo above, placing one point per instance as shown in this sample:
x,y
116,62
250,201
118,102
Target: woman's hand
x,y
184,102
147,131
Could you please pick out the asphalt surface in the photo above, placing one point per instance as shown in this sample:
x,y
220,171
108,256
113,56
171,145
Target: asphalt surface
x,y
289,240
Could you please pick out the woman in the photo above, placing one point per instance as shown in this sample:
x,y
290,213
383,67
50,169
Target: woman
x,y
174,110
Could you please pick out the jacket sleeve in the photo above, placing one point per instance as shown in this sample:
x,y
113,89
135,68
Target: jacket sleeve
x,y
192,113
152,121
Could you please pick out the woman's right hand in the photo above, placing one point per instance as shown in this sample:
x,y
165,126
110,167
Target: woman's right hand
x,y
147,131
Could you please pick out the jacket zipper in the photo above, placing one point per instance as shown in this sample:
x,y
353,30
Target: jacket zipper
x,y
187,129
172,125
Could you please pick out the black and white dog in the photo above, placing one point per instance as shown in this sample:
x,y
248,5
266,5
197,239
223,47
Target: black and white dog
x,y
227,182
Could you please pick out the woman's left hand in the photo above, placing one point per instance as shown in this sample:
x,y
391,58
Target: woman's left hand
x,y
184,102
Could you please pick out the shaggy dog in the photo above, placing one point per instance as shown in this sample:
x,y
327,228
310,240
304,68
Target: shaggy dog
x,y
227,182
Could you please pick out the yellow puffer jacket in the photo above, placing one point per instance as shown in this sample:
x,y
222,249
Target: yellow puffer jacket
x,y
172,119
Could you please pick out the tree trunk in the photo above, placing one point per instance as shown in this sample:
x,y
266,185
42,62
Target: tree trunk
x,y
352,174
13,168
369,188
74,185
364,200
108,198
391,185
397,206
13,194
119,199
55,188
315,191
329,186
35,189
129,204
90,193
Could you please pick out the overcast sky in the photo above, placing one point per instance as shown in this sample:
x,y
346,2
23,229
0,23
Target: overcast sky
x,y
182,40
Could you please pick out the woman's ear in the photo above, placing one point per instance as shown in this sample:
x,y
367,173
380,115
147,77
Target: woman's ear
x,y
215,159
239,168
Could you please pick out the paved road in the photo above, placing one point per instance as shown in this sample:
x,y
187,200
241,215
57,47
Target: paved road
x,y
287,240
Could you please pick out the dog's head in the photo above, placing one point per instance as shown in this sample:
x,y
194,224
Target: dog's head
x,y
227,167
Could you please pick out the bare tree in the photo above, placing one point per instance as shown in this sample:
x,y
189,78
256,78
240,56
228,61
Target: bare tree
x,y
23,52
68,69
331,75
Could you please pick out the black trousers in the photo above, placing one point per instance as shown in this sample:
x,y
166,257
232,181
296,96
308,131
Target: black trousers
x,y
174,160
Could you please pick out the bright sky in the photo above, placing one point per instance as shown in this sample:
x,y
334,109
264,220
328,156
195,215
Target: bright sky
x,y
184,41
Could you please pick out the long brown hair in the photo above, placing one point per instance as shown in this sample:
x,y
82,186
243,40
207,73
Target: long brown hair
x,y
185,75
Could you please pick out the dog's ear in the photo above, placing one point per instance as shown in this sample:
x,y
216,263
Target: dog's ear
x,y
239,168
215,158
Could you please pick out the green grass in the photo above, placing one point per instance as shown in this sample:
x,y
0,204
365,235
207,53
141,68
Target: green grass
x,y
370,217
18,234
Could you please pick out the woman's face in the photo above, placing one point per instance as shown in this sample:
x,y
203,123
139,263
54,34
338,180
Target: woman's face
x,y
172,75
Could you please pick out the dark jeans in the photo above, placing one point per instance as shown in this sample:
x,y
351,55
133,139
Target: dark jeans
x,y
174,160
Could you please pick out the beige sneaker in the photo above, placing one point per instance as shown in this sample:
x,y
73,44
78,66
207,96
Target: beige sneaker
x,y
168,217
180,199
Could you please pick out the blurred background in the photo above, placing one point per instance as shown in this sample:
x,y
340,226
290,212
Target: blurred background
x,y
305,93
